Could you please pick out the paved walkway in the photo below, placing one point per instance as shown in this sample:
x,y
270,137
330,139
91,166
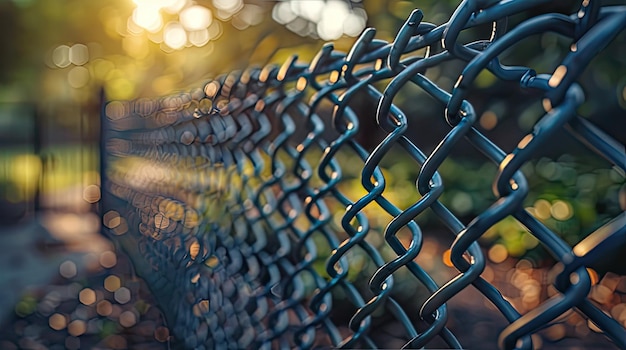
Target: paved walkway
x,y
63,285
30,258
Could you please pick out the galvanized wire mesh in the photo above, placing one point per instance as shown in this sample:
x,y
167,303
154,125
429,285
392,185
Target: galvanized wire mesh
x,y
224,196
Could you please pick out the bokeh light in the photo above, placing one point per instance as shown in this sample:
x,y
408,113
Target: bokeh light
x,y
196,18
542,209
57,322
91,194
87,296
326,19
178,24
61,56
162,334
79,54
173,6
122,295
447,254
67,269
148,18
174,35
112,283
488,120
199,38
227,8
104,308
250,15
498,253
561,210
111,219
122,228
78,77
108,259
282,12
128,319
76,328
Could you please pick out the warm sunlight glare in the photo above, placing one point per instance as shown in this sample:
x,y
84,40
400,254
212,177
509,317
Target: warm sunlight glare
x,y
196,18
148,18
327,19
174,35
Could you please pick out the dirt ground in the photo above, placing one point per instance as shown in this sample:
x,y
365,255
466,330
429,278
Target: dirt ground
x,y
64,292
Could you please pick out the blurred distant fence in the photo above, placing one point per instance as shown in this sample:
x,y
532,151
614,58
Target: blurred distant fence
x,y
18,135
225,196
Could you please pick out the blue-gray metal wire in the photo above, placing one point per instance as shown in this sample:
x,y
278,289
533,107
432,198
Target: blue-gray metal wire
x,y
216,187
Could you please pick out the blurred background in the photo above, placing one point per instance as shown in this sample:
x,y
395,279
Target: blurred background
x,y
61,58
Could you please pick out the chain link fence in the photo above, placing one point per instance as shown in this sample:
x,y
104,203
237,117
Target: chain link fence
x,y
227,198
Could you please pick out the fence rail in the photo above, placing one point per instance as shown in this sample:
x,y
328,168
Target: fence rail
x,y
225,196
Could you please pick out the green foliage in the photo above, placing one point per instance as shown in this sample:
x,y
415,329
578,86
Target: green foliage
x,y
571,196
26,305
